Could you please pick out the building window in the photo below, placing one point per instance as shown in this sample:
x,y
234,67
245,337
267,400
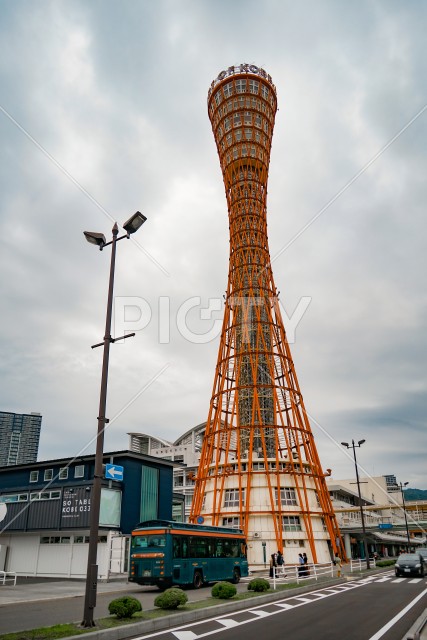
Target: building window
x,y
79,471
34,476
253,86
14,497
81,539
233,523
48,474
228,89
232,498
240,86
45,495
287,496
291,523
63,473
55,540
264,91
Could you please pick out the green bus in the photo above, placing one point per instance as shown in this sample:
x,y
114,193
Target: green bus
x,y
166,553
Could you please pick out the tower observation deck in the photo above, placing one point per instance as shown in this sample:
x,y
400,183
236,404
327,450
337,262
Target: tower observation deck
x,y
259,468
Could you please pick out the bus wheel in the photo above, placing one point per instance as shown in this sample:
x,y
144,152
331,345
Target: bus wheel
x,y
197,579
236,576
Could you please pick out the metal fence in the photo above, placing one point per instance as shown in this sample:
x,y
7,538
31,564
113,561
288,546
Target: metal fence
x,y
301,573
7,576
360,563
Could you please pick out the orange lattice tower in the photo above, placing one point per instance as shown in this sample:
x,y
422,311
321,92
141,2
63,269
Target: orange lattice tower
x,y
259,468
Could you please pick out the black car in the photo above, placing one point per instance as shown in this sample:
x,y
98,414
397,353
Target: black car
x,y
423,552
409,564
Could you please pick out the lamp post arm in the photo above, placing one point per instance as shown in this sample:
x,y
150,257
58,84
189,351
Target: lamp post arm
x,y
92,567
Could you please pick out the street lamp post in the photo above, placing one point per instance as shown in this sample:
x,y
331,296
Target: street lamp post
x,y
401,485
98,239
362,517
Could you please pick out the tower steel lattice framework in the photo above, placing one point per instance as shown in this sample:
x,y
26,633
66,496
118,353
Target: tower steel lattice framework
x,y
259,465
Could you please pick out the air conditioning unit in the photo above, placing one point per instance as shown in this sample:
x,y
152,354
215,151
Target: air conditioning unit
x,y
257,534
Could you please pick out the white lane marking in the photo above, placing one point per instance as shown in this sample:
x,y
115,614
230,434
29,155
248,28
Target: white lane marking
x,y
227,622
260,613
304,599
396,618
281,606
184,635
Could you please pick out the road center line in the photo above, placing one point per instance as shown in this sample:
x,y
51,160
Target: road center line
x,y
393,621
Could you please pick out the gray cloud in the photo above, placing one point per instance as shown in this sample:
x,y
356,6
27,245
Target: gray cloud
x,y
116,93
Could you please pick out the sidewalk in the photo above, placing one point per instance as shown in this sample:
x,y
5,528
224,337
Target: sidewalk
x,y
37,589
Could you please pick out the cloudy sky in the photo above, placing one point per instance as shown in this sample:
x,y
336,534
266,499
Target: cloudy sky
x,y
103,112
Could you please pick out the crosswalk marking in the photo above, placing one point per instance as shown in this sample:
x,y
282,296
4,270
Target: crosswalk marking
x,y
260,613
415,580
185,635
227,622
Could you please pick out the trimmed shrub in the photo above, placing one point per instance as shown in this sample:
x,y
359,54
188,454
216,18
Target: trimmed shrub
x,y
385,563
258,584
124,607
171,598
223,590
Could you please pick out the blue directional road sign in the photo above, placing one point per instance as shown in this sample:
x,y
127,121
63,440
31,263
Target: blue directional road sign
x,y
113,472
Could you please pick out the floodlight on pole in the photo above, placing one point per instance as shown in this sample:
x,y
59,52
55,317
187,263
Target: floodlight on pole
x,y
98,239
362,517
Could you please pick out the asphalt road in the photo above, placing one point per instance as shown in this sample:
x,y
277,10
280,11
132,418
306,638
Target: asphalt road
x,y
361,610
357,610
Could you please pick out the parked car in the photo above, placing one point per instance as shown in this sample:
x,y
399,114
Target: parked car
x,y
423,553
409,564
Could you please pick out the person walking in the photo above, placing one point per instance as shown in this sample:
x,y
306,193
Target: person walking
x,y
273,563
301,565
338,564
306,570
281,562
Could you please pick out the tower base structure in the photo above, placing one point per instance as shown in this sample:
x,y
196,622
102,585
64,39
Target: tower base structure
x,y
259,470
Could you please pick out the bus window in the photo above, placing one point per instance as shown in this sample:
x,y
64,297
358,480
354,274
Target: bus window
x,y
176,547
143,542
198,547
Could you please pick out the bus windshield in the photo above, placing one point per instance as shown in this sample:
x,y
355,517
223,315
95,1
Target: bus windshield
x,y
152,541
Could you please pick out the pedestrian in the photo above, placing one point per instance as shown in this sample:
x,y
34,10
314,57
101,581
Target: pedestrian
x,y
337,563
281,562
306,570
301,564
273,563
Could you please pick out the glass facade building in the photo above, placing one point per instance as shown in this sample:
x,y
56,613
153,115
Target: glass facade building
x,y
19,437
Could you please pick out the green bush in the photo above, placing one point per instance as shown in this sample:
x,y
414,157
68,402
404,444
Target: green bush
x,y
171,598
223,590
124,607
385,563
258,584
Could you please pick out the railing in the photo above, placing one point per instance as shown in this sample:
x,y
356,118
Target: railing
x,y
299,573
360,563
7,576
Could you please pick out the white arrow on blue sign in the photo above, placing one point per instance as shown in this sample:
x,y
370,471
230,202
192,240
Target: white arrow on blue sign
x,y
113,472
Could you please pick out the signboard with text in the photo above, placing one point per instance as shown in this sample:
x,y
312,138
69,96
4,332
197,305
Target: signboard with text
x,y
75,510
